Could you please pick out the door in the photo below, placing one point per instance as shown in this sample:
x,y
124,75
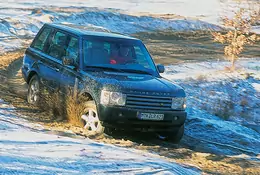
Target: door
x,y
46,66
55,51
70,75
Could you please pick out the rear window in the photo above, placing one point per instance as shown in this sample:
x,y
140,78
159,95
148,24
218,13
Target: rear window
x,y
40,41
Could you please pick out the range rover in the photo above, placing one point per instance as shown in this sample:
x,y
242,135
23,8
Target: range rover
x,y
116,75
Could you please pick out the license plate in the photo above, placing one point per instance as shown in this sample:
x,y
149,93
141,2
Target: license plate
x,y
150,116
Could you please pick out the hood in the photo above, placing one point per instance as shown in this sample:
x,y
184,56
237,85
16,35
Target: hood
x,y
136,83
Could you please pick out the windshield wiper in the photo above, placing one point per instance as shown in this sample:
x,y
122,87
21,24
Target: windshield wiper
x,y
138,71
106,68
121,70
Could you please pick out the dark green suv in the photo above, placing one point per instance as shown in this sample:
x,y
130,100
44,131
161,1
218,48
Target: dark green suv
x,y
115,73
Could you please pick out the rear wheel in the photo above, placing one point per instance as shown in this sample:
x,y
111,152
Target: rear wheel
x,y
90,119
174,136
33,94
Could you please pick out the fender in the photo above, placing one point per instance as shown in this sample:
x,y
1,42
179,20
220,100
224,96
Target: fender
x,y
29,68
85,92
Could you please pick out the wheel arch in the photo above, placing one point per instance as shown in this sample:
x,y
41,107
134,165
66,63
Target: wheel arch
x,y
87,95
30,75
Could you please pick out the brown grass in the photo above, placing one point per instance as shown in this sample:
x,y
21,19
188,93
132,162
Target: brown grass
x,y
244,102
169,47
201,77
246,75
51,103
7,58
63,107
74,108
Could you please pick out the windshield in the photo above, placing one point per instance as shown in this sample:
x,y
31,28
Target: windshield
x,y
118,54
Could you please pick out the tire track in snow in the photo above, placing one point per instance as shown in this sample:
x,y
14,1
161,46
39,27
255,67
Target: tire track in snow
x,y
25,150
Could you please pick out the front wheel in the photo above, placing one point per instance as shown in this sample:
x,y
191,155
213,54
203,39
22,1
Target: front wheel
x,y
90,119
174,136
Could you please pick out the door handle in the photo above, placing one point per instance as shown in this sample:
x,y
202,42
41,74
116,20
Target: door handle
x,y
57,69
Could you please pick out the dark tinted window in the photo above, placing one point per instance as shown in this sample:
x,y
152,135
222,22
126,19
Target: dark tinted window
x,y
72,50
57,48
96,52
42,38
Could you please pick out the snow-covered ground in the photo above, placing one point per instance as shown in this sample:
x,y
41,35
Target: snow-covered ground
x,y
27,149
215,96
25,23
207,10
214,89
21,19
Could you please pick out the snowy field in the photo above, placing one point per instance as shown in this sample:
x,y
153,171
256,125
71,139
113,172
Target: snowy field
x,y
26,149
223,108
16,29
207,10
21,19
215,95
214,89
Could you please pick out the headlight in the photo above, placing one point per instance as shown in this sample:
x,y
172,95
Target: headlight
x,y
178,103
112,98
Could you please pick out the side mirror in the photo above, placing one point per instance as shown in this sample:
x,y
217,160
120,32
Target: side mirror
x,y
160,68
68,61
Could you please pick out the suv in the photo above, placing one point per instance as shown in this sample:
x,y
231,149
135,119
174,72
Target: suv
x,y
115,74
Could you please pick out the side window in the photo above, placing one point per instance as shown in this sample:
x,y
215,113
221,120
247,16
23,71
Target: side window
x,y
41,40
73,50
140,57
107,47
57,48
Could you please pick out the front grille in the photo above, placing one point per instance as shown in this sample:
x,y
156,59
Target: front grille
x,y
148,102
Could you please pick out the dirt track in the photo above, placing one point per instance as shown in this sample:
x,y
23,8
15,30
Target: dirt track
x,y
191,152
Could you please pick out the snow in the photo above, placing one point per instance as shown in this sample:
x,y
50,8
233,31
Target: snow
x,y
223,107
26,148
18,28
205,9
256,86
215,90
224,104
19,21
22,19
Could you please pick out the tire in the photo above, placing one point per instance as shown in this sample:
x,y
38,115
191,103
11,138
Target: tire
x,y
173,137
33,93
90,119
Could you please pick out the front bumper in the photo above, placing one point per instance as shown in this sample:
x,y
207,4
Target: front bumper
x,y
126,118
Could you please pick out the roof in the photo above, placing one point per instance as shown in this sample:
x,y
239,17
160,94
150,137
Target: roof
x,y
88,31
